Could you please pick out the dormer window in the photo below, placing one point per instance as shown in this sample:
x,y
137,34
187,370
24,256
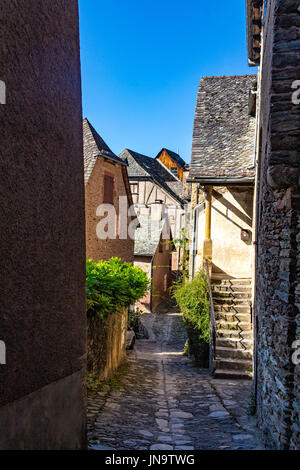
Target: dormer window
x,y
174,170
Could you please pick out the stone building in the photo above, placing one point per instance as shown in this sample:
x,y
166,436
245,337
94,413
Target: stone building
x,y
153,253
106,182
273,44
222,176
42,248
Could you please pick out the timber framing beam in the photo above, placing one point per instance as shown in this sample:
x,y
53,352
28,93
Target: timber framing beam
x,y
254,26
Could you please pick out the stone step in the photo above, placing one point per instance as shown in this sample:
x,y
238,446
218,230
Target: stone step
x,y
234,343
232,308
231,296
230,282
230,301
235,325
231,353
232,374
235,334
234,364
232,289
233,316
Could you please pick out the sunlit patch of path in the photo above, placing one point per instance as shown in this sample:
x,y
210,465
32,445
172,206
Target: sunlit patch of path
x,y
167,403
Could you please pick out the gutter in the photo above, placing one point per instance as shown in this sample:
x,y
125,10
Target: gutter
x,y
222,181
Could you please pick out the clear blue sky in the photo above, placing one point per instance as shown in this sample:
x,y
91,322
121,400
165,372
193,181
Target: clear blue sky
x,y
142,62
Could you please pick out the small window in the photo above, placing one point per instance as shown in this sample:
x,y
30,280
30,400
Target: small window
x,y
134,189
161,248
108,197
174,170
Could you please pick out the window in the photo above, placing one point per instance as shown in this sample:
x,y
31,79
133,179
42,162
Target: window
x,y
108,197
174,170
134,188
161,248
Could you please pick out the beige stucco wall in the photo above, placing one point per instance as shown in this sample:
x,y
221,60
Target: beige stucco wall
x,y
231,212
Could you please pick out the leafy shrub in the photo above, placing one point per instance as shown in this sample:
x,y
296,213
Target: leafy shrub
x,y
113,284
193,299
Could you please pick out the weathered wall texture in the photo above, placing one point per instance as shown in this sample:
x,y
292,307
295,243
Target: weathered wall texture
x,y
144,262
162,276
99,248
277,265
106,344
42,246
232,210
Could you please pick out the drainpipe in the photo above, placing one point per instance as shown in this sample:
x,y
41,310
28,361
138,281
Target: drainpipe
x,y
181,225
207,244
194,234
195,221
196,212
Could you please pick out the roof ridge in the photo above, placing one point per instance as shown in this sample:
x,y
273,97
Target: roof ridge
x,y
204,77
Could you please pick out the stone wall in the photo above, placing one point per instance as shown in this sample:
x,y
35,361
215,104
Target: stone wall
x,y
277,258
42,246
97,248
106,344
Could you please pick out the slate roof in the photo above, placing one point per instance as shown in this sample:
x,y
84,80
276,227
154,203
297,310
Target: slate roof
x,y
140,165
147,236
224,132
93,147
177,158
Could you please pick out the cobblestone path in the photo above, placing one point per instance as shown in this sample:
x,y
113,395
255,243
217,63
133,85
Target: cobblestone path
x,y
167,403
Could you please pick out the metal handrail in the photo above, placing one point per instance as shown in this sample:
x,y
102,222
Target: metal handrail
x,y
213,327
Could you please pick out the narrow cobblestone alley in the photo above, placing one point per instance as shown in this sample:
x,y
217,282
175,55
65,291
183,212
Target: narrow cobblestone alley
x,y
165,402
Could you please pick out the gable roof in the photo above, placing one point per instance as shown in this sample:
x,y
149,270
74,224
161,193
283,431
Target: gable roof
x,y
174,156
140,165
224,132
93,147
147,236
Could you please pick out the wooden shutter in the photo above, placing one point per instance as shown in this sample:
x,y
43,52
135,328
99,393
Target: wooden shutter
x,y
108,197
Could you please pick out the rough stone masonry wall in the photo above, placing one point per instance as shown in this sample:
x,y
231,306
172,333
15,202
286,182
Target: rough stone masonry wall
x,y
106,344
277,278
42,245
97,248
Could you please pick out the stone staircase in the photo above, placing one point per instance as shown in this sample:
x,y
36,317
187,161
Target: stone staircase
x,y
234,342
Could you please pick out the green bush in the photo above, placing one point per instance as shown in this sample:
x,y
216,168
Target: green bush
x,y
113,284
193,299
